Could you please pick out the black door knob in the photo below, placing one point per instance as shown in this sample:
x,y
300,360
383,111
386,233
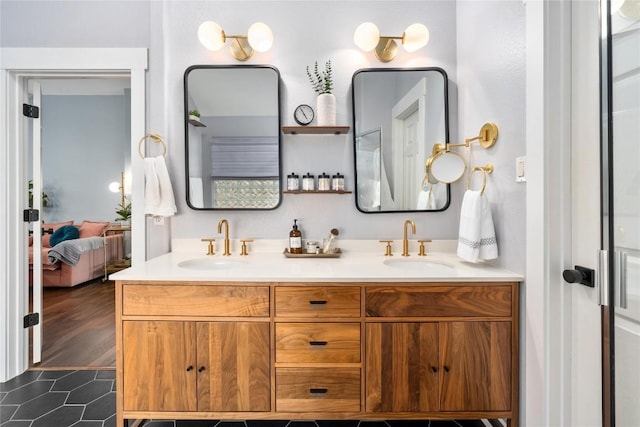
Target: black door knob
x,y
572,276
584,276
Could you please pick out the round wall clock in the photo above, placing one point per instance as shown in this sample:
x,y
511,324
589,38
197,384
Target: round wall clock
x,y
303,114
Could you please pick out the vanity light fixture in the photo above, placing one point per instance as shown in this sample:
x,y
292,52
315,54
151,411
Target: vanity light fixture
x,y
258,38
367,37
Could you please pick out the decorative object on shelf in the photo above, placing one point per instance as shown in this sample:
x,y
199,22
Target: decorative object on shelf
x,y
337,182
324,182
335,254
308,182
367,37
293,182
259,38
194,115
322,84
303,114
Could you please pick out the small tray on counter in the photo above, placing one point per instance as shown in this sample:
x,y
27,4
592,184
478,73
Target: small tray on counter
x,y
335,254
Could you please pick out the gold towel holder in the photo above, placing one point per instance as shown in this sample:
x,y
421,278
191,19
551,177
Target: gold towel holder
x,y
155,137
486,169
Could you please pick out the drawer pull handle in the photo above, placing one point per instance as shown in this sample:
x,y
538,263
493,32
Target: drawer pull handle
x,y
317,343
317,302
434,369
318,390
189,368
446,369
201,369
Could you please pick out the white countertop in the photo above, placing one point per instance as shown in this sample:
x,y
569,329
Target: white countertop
x,y
360,261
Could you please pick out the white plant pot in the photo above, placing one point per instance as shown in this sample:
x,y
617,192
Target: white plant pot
x,y
326,109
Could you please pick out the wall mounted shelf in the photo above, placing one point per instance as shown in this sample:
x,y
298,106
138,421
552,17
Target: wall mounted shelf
x,y
197,123
316,192
315,130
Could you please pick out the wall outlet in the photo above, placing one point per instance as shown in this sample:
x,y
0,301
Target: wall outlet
x,y
158,220
521,169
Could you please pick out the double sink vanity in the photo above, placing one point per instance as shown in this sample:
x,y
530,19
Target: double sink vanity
x,y
361,336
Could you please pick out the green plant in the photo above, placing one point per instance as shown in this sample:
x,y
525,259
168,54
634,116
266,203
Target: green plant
x,y
194,113
45,196
123,211
321,81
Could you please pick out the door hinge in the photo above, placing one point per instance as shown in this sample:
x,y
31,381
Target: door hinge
x,y
31,319
31,215
30,111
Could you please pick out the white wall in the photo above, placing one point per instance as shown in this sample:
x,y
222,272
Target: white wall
x,y
84,145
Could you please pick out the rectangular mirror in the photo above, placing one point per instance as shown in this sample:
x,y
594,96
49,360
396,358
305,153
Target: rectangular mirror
x,y
232,137
398,116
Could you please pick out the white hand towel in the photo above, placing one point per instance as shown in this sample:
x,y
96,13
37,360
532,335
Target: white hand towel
x,y
196,192
476,239
159,199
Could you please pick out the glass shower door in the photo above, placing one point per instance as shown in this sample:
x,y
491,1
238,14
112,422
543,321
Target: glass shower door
x,y
622,224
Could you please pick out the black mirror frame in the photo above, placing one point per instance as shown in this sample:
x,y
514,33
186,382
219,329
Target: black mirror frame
x,y
353,112
186,133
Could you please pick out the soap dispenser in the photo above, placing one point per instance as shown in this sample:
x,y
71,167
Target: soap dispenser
x,y
295,239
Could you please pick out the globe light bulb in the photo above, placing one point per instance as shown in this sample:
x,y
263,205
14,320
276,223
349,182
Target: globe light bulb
x,y
366,36
415,37
260,37
211,35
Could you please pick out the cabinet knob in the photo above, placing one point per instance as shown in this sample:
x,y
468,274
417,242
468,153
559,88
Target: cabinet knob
x,y
201,369
446,368
189,368
434,369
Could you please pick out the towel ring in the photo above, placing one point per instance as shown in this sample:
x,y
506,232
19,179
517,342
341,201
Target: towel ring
x,y
487,169
155,137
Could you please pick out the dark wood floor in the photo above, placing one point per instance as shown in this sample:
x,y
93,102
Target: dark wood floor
x,y
79,327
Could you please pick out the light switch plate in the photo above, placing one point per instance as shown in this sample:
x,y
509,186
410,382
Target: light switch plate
x,y
521,169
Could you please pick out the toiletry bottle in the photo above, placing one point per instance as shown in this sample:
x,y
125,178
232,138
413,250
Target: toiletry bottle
x,y
295,239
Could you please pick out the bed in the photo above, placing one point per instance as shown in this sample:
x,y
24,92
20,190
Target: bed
x,y
75,261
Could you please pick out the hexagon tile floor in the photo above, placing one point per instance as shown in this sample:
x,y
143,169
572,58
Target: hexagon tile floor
x,y
87,399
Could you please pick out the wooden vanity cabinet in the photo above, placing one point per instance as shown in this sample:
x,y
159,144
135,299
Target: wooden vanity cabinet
x,y
216,350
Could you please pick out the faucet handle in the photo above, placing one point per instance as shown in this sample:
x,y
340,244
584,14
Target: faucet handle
x,y
243,250
387,251
421,250
210,250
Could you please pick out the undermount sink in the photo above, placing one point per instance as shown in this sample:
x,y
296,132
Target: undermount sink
x,y
210,264
425,265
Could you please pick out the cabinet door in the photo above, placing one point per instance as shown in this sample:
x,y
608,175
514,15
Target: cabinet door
x,y
476,366
158,370
401,367
233,366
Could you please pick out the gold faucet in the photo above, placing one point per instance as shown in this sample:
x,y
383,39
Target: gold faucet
x,y
226,235
405,240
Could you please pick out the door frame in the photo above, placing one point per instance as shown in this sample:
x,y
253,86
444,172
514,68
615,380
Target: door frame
x,y
15,64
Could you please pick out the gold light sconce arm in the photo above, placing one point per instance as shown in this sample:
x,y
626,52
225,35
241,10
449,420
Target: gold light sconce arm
x,y
487,138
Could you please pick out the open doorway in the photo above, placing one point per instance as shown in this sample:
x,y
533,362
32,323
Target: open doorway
x,y
16,64
85,128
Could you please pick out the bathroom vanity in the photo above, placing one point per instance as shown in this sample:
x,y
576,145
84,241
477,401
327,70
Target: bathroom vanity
x,y
268,337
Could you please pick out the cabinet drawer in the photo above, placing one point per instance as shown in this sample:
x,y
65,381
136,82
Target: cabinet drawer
x,y
317,302
437,301
195,300
318,342
318,389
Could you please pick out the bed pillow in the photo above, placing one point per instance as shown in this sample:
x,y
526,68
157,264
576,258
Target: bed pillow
x,y
66,232
54,226
92,228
